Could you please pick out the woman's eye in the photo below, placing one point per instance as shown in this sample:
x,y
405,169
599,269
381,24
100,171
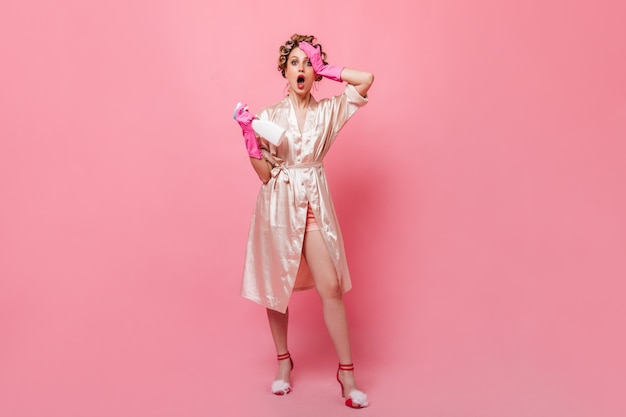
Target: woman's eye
x,y
308,63
294,62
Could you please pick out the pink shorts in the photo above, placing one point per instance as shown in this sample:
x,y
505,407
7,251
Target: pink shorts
x,y
311,223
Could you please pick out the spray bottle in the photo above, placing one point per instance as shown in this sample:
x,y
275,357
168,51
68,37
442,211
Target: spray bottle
x,y
266,129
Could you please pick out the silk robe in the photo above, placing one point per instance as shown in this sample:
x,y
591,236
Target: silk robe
x,y
274,265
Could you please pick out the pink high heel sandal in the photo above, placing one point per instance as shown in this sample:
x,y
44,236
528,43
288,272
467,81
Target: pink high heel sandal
x,y
280,387
355,398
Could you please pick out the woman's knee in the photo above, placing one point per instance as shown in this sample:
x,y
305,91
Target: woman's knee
x,y
330,290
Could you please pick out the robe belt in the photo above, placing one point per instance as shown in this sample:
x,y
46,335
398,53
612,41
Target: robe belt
x,y
284,169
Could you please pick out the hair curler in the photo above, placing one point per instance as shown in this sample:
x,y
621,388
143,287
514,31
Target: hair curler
x,y
266,129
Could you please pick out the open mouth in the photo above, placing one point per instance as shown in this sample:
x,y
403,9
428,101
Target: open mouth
x,y
300,81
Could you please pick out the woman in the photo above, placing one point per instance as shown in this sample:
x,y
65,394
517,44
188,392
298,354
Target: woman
x,y
295,242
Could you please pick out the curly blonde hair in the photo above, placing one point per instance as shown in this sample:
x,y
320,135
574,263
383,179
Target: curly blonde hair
x,y
286,48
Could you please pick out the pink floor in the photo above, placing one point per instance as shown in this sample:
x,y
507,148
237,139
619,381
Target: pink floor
x,y
177,358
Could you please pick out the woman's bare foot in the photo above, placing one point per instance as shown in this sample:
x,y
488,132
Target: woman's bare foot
x,y
282,382
354,397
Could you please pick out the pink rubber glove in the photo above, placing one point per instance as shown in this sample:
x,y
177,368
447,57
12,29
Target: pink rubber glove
x,y
332,72
245,118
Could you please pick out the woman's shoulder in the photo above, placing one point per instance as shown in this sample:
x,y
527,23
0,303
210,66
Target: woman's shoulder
x,y
349,93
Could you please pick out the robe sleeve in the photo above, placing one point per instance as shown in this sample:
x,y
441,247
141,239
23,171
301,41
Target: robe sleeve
x,y
342,107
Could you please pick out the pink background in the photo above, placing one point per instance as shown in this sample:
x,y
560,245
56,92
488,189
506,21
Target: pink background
x,y
481,196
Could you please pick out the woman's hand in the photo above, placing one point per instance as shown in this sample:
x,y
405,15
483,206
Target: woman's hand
x,y
245,118
314,54
361,80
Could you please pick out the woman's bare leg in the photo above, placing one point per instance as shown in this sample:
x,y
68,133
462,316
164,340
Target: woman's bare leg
x,y
327,285
278,326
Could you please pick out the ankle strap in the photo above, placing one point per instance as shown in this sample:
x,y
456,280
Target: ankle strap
x,y
346,367
283,356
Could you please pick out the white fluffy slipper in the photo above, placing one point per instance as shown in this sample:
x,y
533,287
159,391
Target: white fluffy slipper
x,y
357,399
280,387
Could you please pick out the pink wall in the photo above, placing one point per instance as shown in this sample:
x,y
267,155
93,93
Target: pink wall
x,y
481,194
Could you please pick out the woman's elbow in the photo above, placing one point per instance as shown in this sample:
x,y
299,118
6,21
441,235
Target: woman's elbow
x,y
262,168
264,178
365,83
